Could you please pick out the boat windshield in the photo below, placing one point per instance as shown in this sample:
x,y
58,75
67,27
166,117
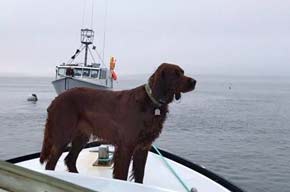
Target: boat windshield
x,y
94,73
61,71
77,72
86,72
80,72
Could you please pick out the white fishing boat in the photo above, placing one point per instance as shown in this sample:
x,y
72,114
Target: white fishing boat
x,y
164,172
88,73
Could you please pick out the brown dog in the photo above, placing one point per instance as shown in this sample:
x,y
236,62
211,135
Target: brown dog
x,y
130,119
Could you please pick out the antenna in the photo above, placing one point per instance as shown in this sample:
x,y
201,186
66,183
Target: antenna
x,y
92,15
84,10
105,22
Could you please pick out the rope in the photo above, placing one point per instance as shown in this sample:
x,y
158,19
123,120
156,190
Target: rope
x,y
172,170
92,56
99,56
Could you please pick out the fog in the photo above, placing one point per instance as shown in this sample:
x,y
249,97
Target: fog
x,y
226,37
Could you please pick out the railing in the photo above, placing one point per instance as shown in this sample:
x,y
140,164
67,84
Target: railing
x,y
16,178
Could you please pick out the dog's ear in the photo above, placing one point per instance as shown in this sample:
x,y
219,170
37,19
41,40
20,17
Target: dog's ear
x,y
158,85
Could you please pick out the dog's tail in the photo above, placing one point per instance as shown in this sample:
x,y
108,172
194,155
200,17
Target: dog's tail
x,y
46,145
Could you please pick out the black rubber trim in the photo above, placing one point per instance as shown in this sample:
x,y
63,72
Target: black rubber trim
x,y
24,158
218,179
37,155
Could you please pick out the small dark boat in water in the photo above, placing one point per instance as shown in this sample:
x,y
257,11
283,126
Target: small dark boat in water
x,y
33,98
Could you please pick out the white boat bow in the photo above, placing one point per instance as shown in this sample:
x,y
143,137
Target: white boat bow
x,y
158,177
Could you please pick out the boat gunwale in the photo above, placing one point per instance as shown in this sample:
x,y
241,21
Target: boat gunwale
x,y
195,167
203,171
81,80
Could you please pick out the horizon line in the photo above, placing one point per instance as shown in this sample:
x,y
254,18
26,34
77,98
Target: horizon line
x,y
148,74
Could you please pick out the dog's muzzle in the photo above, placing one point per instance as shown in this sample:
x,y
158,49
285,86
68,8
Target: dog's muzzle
x,y
192,83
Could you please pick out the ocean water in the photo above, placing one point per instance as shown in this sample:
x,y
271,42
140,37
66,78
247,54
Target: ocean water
x,y
238,127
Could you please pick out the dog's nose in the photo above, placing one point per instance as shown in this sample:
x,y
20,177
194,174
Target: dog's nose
x,y
192,82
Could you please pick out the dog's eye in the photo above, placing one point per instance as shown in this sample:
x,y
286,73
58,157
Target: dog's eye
x,y
178,74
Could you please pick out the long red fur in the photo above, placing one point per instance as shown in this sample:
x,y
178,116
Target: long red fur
x,y
124,118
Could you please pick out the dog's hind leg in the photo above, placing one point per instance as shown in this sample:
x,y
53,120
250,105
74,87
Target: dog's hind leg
x,y
59,145
77,145
139,162
53,158
122,160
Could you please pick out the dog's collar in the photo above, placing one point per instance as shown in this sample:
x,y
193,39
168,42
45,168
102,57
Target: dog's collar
x,y
149,93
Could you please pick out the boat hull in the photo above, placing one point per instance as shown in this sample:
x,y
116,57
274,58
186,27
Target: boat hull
x,y
157,173
65,83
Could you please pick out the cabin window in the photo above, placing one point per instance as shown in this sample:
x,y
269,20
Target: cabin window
x,y
61,71
86,72
94,73
77,72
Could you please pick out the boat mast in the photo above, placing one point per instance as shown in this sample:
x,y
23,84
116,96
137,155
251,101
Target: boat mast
x,y
87,37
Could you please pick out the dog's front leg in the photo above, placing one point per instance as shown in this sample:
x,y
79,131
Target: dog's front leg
x,y
122,160
139,162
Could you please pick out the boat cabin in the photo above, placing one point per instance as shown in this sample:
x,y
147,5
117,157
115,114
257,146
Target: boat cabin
x,y
78,71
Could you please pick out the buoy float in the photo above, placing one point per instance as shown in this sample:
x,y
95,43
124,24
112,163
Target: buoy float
x,y
112,67
112,63
114,75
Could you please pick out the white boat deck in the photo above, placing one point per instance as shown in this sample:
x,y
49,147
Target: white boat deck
x,y
157,175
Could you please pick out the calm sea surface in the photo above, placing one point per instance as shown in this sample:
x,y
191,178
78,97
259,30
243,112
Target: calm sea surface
x,y
242,133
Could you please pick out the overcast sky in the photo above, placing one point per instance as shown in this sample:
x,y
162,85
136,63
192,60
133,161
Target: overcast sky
x,y
234,37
